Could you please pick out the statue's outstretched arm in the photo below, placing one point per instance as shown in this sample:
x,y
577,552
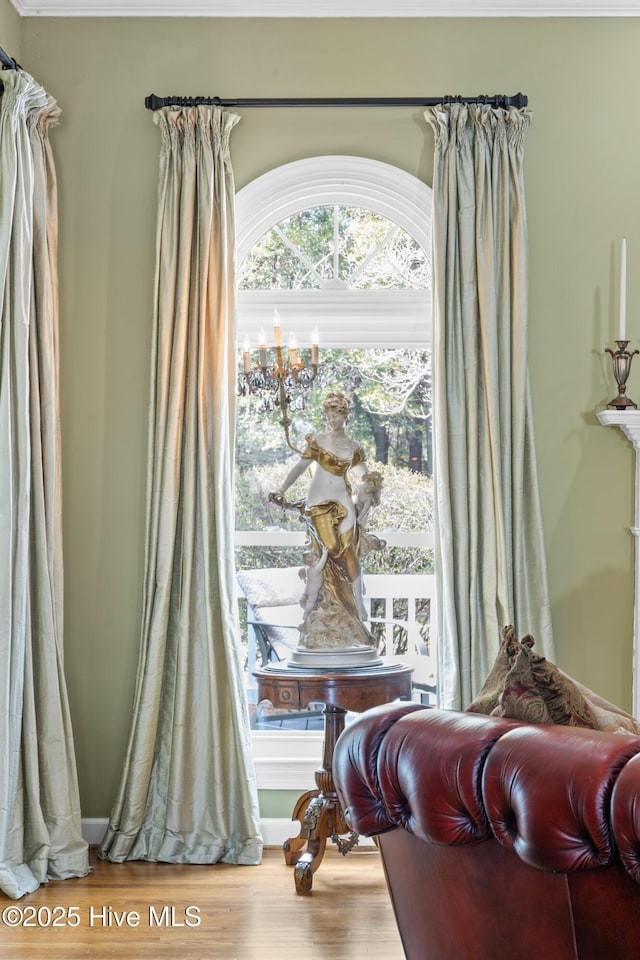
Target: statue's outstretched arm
x,y
296,471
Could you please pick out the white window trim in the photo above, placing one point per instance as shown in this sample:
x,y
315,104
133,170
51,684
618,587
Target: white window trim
x,y
392,318
341,316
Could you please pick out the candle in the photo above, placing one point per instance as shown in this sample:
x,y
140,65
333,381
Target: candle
x,y
293,349
277,338
315,346
246,354
262,348
623,292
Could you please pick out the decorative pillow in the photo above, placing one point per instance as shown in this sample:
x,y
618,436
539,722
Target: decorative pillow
x,y
523,685
489,697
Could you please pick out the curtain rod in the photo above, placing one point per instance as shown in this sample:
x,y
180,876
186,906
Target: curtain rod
x,y
153,102
8,63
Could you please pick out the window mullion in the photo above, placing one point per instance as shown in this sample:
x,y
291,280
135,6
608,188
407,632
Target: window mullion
x,y
374,253
297,252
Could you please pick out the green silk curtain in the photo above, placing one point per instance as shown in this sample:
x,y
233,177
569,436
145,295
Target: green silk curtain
x,y
490,562
40,823
188,791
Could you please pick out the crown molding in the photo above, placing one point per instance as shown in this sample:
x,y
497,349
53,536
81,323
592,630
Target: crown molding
x,y
328,8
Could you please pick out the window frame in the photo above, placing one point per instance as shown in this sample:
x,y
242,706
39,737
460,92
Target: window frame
x,y
341,315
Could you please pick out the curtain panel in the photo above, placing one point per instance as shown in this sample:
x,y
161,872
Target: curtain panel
x,y
40,823
490,562
188,791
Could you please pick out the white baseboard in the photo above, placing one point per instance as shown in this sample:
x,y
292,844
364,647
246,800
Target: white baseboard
x,y
275,830
93,829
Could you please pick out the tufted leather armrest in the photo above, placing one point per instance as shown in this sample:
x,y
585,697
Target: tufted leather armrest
x,y
544,792
547,792
393,767
508,836
625,817
358,766
435,793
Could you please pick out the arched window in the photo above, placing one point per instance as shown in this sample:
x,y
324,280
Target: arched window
x,y
355,296
342,244
336,247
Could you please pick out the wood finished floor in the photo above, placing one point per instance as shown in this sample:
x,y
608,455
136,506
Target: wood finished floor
x,y
246,913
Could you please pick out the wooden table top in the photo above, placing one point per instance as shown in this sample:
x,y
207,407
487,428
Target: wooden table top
x,y
354,689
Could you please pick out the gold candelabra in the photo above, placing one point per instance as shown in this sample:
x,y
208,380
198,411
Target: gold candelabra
x,y
276,381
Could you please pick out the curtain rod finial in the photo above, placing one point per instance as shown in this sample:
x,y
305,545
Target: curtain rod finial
x,y
8,63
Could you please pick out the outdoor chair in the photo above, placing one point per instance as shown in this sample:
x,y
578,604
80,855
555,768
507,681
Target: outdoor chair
x,y
273,614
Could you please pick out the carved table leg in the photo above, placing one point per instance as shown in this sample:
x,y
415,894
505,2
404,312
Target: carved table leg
x,y
319,811
293,845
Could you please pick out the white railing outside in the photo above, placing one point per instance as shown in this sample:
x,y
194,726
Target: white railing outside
x,y
402,615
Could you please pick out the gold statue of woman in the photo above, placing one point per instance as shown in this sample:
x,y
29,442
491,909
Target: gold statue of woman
x,y
335,614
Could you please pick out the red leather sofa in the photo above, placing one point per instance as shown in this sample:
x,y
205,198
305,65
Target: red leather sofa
x,y
498,838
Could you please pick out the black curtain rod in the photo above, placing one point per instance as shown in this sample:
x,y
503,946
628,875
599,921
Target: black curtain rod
x,y
153,102
8,63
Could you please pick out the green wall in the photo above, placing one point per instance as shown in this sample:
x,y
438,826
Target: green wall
x,y
10,30
583,196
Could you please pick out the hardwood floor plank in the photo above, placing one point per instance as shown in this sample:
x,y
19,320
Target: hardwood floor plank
x,y
144,911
